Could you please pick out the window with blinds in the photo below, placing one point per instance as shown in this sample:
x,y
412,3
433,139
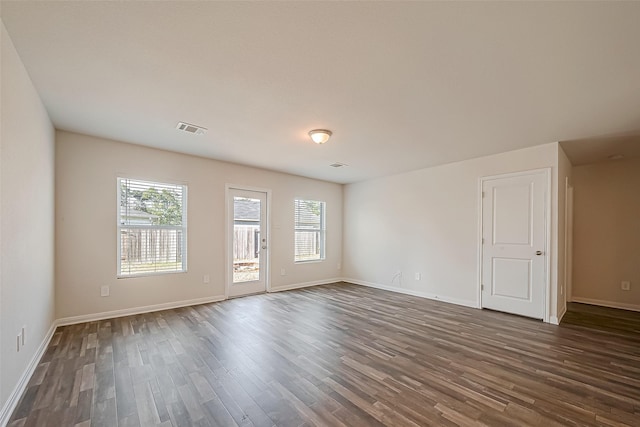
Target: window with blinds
x,y
152,228
309,230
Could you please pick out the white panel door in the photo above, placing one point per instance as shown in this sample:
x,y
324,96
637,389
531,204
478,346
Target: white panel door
x,y
247,242
513,243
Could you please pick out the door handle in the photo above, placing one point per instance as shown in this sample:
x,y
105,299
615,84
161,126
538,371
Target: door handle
x,y
538,252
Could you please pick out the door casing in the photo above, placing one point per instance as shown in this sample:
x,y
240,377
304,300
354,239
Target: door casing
x,y
568,244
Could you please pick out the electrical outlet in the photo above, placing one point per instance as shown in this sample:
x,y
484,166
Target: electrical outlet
x,y
418,276
104,291
206,278
18,343
625,285
22,334
283,272
339,266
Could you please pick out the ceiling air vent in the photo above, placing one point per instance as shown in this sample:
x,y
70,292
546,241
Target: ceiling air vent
x,y
338,165
186,127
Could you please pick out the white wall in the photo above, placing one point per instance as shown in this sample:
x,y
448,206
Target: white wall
x,y
26,220
86,208
426,222
606,233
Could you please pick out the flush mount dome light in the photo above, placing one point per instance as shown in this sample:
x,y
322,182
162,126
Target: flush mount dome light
x,y
320,136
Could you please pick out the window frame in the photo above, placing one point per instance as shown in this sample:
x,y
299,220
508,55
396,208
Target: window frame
x,y
120,227
322,231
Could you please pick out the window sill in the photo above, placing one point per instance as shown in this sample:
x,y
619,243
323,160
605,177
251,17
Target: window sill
x,y
159,273
311,261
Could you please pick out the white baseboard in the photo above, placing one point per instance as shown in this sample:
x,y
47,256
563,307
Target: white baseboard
x,y
555,320
466,303
136,310
12,402
306,284
610,304
177,304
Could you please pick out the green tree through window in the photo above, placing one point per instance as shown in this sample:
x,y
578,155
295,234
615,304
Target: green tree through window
x,y
151,227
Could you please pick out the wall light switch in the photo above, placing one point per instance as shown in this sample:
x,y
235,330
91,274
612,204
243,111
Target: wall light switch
x,y
104,291
625,285
283,272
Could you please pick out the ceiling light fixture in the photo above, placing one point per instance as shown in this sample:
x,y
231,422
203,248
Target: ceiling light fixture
x,y
320,136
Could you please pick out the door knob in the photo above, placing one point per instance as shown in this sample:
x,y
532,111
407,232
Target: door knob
x,y
538,252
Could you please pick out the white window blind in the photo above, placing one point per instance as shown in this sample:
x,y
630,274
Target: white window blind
x,y
152,228
309,230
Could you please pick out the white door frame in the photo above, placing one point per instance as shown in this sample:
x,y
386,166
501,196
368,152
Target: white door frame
x,y
547,233
568,243
267,227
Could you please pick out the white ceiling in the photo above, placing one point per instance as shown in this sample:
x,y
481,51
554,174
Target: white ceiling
x,y
602,149
402,85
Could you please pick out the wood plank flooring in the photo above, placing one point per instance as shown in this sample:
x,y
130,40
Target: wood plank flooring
x,y
339,355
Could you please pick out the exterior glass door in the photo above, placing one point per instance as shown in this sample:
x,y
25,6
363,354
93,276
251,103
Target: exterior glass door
x,y
248,251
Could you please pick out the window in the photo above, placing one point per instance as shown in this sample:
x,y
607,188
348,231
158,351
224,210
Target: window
x,y
152,228
309,230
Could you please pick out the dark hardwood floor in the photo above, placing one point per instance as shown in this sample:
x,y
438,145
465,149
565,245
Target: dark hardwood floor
x,y
339,355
